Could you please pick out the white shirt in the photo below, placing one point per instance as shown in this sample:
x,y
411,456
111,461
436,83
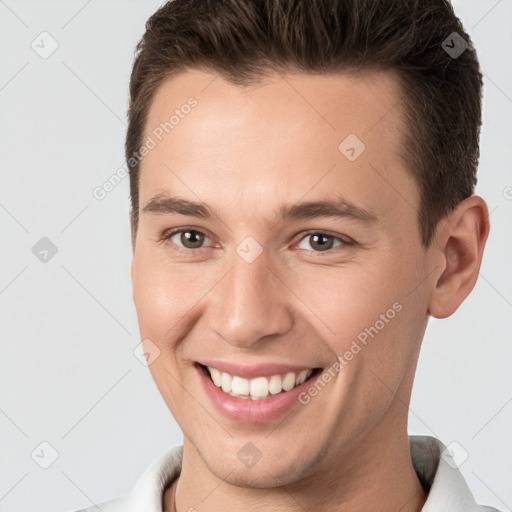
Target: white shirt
x,y
448,491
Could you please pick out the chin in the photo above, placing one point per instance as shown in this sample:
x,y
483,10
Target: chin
x,y
266,473
261,477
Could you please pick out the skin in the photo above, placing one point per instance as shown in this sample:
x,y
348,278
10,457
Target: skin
x,y
244,151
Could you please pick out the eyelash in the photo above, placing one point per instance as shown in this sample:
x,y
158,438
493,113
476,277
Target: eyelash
x,y
345,241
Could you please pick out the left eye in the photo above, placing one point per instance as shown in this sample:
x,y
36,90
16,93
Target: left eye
x,y
322,242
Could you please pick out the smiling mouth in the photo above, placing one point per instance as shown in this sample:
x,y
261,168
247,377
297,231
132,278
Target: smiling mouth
x,y
258,388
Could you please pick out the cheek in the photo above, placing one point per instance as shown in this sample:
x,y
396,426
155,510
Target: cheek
x,y
365,314
162,300
156,301
163,295
342,302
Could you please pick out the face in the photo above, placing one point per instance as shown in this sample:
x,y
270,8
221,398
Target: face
x,y
302,252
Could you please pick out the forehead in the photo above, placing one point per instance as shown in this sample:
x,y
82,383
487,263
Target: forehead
x,y
338,102
288,131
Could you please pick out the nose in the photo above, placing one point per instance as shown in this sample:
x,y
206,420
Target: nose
x,y
251,303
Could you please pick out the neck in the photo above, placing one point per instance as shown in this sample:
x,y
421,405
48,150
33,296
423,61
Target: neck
x,y
377,474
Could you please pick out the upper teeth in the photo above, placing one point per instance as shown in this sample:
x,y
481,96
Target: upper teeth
x,y
257,388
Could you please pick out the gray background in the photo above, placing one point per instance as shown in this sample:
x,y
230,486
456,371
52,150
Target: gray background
x,y
68,328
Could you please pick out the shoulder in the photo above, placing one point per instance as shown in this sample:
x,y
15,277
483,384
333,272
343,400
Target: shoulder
x,y
149,489
114,505
440,475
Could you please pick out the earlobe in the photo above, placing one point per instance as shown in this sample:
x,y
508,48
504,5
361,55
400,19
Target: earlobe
x,y
459,247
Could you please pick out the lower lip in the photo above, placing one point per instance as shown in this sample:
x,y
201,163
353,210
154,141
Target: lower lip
x,y
247,410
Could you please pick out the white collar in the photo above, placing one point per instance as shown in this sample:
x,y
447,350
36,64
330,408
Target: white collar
x,y
448,489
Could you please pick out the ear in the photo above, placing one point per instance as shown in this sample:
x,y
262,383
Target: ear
x,y
133,228
457,251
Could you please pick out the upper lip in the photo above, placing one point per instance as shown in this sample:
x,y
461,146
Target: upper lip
x,y
254,370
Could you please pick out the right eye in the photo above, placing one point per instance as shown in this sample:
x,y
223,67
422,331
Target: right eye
x,y
190,239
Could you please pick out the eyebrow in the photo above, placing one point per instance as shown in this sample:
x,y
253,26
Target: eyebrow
x,y
333,208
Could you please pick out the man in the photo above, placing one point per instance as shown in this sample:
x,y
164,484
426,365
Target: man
x,y
302,178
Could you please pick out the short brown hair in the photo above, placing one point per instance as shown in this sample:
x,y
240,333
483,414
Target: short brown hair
x,y
242,40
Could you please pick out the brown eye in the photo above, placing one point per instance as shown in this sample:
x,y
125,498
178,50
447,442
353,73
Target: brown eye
x,y
194,238
187,238
322,242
